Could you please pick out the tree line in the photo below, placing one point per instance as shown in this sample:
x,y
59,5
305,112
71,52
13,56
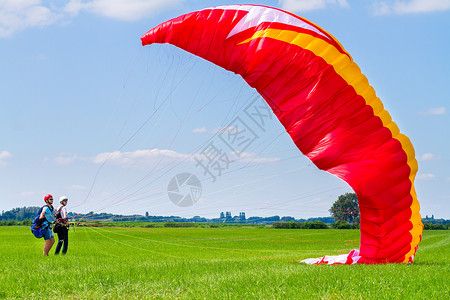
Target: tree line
x,y
20,214
344,215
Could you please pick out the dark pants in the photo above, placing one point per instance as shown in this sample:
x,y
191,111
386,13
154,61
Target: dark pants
x,y
63,238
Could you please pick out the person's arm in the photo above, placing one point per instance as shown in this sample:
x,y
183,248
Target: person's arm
x,y
63,213
42,215
41,219
66,220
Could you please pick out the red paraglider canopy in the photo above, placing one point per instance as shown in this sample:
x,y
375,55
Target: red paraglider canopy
x,y
326,105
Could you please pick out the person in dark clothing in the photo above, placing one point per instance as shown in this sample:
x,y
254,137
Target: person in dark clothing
x,y
61,227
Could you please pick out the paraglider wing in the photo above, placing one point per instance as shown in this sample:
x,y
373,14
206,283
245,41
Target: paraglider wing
x,y
326,105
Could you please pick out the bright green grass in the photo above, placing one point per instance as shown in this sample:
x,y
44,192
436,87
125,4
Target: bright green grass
x,y
205,263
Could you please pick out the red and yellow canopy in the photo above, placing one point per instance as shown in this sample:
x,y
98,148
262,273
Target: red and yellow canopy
x,y
326,105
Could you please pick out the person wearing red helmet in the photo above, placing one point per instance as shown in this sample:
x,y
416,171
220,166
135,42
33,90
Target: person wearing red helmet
x,y
47,218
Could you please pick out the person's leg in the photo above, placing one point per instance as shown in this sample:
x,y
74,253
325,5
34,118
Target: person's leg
x,y
48,245
49,241
66,240
60,242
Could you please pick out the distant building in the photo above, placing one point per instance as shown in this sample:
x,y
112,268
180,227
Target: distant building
x,y
228,217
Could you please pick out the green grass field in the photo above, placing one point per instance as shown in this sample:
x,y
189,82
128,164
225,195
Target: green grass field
x,y
213,263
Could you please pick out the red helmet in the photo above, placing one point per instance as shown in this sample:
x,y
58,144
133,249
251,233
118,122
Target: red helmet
x,y
48,196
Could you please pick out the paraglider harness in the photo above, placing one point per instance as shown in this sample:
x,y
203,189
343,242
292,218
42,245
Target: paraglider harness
x,y
37,227
59,222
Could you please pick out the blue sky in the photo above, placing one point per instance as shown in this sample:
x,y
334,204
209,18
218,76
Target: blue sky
x,y
89,113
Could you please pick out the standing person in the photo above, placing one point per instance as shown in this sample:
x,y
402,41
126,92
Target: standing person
x,y
62,226
47,218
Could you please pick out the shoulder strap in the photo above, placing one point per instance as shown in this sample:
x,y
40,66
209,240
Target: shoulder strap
x,y
58,212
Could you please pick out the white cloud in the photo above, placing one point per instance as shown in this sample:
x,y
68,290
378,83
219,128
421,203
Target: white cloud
x,y
307,5
411,7
218,130
428,156
200,130
435,111
63,160
16,15
147,157
426,176
125,10
138,157
77,187
26,194
4,155
248,157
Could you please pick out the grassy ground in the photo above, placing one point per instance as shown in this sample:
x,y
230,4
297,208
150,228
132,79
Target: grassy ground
x,y
213,263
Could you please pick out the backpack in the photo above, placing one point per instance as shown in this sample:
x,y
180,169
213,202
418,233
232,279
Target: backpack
x,y
36,225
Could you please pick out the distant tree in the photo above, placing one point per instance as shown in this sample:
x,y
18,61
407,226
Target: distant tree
x,y
346,208
273,218
314,225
